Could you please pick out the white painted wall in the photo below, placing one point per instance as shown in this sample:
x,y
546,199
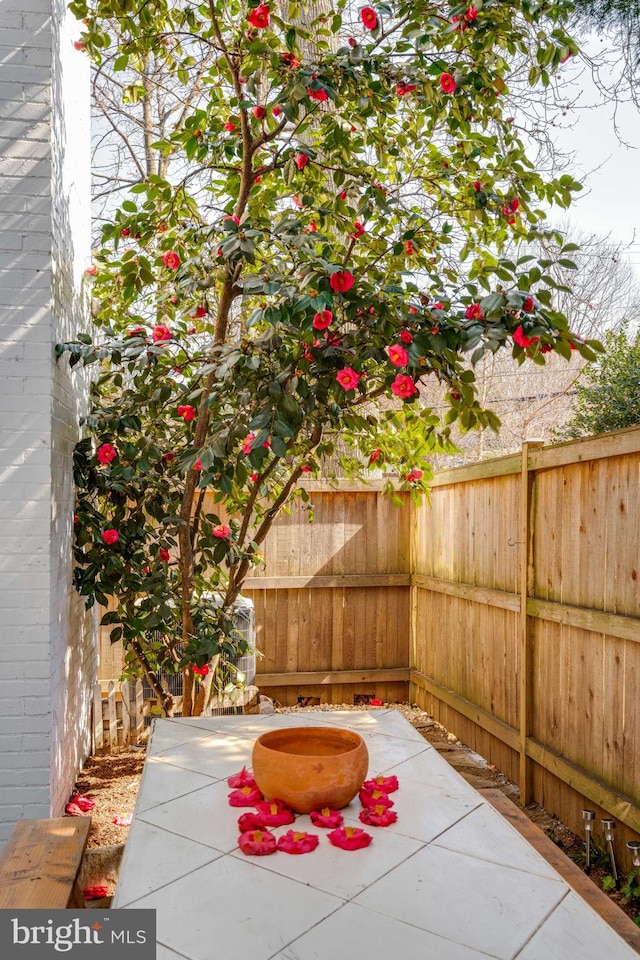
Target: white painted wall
x,y
47,645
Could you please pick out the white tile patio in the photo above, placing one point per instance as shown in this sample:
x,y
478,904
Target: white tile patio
x,y
451,880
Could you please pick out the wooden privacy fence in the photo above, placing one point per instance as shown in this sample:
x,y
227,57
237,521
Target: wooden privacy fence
x,y
526,620
332,602
508,609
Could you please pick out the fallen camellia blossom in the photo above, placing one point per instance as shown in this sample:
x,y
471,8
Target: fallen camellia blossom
x,y
78,805
245,797
378,816
385,784
95,893
371,798
250,821
293,842
350,838
375,702
122,821
242,779
274,814
326,818
257,843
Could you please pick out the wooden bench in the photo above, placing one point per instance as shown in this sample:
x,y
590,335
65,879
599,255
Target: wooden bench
x,y
40,863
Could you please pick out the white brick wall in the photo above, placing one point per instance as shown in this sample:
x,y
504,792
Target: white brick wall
x,y
47,645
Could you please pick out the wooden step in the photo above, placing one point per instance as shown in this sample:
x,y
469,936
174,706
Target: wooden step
x,y
40,863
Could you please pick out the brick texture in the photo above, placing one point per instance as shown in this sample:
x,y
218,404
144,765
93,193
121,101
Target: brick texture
x,y
47,645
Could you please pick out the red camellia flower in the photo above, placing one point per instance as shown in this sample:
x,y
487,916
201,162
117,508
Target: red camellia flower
x,y
474,312
369,18
343,195
233,219
350,838
161,333
375,455
520,337
408,247
187,412
163,553
347,378
301,161
447,83
202,671
242,779
106,453
477,185
341,281
298,202
229,127
372,798
415,474
273,813
320,94
358,230
326,818
257,843
247,442
244,797
259,17
136,332
322,319
249,821
94,893
259,112
78,45
290,60
168,457
375,702
221,531
378,816
294,842
471,14
528,305
84,804
402,88
91,271
253,477
198,464
171,260
405,336
110,536
386,784
514,205
398,356
277,111
403,386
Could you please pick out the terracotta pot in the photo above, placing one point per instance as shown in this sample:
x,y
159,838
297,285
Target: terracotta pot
x,y
310,767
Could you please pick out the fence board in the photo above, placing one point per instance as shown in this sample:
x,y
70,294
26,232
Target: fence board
x,y
580,609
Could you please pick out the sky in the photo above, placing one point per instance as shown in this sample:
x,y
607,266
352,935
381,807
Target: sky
x,y
609,204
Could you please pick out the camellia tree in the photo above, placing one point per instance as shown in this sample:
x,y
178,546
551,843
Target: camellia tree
x,y
342,184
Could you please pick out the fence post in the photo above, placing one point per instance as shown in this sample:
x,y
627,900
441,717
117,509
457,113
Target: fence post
x,y
527,480
111,740
98,727
136,708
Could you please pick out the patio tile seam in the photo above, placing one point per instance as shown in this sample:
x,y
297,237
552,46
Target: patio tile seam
x,y
173,950
541,924
181,796
285,946
182,836
162,886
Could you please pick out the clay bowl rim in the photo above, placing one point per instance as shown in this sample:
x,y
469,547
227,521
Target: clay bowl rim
x,y
263,739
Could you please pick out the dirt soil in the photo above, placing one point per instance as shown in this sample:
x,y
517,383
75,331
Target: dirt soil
x,y
112,781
